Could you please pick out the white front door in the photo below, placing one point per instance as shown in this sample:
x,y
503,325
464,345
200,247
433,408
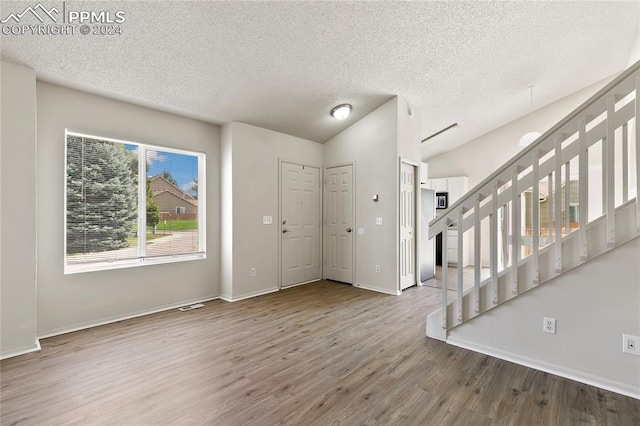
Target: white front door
x,y
338,215
300,224
407,226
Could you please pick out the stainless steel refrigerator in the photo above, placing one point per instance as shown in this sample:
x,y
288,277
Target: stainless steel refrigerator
x,y
427,246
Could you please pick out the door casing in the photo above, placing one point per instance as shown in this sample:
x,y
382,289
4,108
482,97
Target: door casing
x,y
278,224
416,212
353,218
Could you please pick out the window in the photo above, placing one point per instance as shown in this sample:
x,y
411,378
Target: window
x,y
119,204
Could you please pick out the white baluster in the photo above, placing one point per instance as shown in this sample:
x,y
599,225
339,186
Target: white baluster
x,y
637,126
567,197
583,176
558,204
550,210
476,256
625,162
609,170
493,231
515,230
535,218
445,271
460,265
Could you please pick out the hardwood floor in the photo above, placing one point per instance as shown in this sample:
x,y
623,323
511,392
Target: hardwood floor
x,y
322,353
452,278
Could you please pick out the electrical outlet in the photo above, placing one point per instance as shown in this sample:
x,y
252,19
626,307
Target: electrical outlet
x,y
378,221
549,325
267,220
253,272
377,268
631,344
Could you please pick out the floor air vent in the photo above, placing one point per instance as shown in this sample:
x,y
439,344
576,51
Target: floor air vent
x,y
190,307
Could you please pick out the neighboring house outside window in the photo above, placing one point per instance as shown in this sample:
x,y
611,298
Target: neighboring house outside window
x,y
171,200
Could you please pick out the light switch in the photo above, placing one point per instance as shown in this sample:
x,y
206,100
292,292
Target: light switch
x,y
267,220
378,221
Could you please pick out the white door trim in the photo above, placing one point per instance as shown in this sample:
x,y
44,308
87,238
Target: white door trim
x,y
278,224
353,213
416,212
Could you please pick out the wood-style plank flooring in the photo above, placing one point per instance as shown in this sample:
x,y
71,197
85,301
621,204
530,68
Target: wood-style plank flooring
x,y
318,354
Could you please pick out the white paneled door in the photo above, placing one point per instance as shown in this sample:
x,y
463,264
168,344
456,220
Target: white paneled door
x,y
407,226
339,235
300,223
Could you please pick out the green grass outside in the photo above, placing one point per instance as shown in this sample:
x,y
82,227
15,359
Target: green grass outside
x,y
177,225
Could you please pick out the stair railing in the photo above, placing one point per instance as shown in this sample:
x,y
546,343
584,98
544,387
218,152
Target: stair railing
x,y
542,196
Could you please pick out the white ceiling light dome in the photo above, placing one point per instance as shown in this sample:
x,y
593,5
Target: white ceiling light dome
x,y
341,111
527,138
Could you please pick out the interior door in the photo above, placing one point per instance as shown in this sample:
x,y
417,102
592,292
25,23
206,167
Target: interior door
x,y
407,226
338,255
300,227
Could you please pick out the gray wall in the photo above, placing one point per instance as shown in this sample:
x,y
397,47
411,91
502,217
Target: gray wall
x,y
250,185
480,157
593,305
18,211
375,144
66,302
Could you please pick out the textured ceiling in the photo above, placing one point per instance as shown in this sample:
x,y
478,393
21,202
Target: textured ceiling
x,y
283,65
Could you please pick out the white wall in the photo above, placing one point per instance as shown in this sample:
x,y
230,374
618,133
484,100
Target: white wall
x,y
634,54
480,157
18,211
226,213
66,302
591,314
255,153
374,143
409,131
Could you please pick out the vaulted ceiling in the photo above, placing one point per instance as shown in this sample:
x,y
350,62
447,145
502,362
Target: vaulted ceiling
x,y
284,65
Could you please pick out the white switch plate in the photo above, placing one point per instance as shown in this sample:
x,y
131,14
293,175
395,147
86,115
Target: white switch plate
x,y
378,221
267,220
631,344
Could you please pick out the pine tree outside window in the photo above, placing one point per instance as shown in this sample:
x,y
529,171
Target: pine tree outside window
x,y
120,204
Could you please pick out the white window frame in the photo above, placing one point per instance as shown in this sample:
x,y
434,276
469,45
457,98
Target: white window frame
x,y
142,260
181,210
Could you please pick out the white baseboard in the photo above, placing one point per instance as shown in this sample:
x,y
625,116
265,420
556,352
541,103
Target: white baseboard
x,y
250,295
379,290
558,370
35,348
299,284
57,332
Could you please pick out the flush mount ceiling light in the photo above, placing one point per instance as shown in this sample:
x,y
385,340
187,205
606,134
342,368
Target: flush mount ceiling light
x,y
341,112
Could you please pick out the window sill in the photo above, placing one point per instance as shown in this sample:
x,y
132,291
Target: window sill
x,y
131,263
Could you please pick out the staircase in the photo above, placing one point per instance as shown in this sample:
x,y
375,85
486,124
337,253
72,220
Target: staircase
x,y
570,196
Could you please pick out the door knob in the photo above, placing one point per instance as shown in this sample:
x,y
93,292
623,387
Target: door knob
x,y
348,229
284,231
